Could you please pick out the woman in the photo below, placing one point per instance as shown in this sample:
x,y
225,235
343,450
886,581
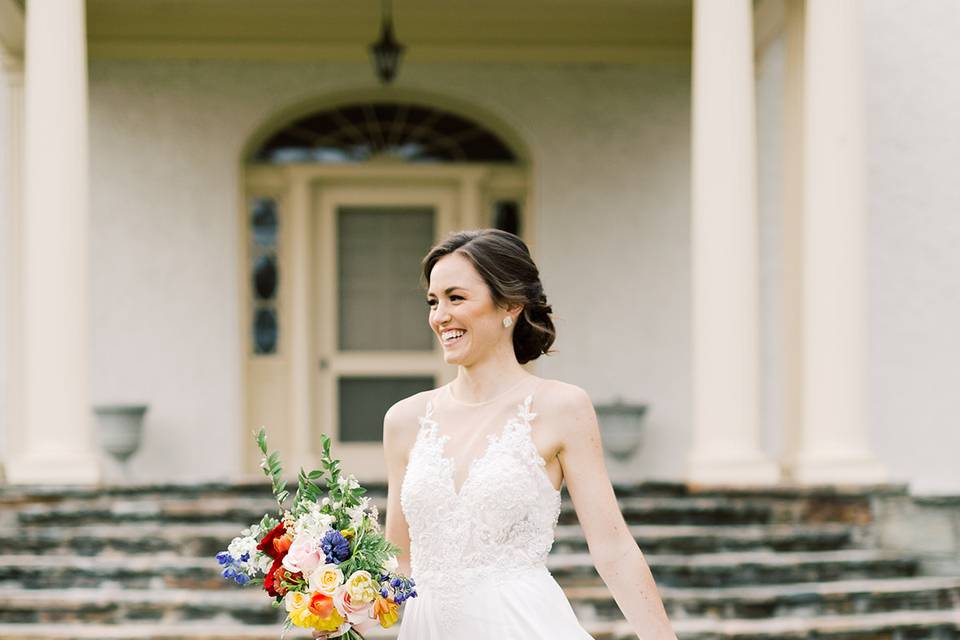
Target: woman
x,y
475,467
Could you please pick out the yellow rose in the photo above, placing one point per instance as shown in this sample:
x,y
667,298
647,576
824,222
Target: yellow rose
x,y
361,588
326,579
295,600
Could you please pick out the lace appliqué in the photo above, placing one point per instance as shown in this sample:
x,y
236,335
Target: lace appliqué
x,y
500,522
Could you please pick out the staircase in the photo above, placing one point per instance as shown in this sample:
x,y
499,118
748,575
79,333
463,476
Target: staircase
x,y
138,562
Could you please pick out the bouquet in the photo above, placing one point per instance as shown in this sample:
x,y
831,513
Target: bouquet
x,y
324,559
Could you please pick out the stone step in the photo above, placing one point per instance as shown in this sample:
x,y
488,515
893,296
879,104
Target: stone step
x,y
840,597
257,487
747,567
935,625
252,606
672,539
205,540
697,570
243,511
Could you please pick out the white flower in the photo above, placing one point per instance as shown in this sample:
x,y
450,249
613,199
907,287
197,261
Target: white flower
x,y
313,522
356,515
390,565
350,482
263,562
241,545
373,519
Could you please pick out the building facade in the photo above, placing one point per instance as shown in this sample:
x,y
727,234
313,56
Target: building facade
x,y
743,214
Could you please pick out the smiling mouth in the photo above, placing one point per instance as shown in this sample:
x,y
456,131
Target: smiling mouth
x,y
456,338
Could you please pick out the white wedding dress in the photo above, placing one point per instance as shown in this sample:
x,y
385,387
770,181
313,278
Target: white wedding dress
x,y
477,554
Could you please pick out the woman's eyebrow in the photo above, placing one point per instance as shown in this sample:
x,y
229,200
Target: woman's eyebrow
x,y
449,289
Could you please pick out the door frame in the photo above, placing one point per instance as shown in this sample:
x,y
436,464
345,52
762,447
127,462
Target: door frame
x,y
282,390
364,458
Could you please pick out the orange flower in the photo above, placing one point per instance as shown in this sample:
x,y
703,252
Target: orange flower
x,y
385,610
279,576
321,605
281,544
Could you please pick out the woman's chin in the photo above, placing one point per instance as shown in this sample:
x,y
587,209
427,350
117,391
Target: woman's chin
x,y
453,357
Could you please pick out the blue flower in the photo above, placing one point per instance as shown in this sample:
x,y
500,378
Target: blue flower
x,y
233,568
335,547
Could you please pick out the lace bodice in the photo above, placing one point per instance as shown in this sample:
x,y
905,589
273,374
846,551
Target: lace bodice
x,y
501,521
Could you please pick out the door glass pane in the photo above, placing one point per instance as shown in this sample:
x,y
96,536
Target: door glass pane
x,y
382,306
364,401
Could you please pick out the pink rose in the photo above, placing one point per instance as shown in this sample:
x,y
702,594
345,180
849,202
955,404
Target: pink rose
x,y
357,614
304,555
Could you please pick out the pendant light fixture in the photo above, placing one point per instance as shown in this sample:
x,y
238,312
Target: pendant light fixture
x,y
386,51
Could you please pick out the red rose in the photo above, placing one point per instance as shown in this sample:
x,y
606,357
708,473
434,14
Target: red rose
x,y
267,545
271,581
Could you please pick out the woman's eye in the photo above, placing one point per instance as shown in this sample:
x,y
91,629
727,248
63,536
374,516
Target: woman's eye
x,y
453,297
430,303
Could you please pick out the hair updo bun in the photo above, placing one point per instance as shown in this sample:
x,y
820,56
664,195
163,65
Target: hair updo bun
x,y
503,261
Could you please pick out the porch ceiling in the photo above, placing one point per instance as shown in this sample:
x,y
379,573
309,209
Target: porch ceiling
x,y
616,31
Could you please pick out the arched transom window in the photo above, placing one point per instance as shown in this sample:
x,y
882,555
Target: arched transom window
x,y
384,130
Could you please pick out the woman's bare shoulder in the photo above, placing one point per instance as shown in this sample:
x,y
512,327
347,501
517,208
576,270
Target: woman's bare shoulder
x,y
557,395
563,404
406,412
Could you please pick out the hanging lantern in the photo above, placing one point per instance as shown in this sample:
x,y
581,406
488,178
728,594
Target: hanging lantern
x,y
386,51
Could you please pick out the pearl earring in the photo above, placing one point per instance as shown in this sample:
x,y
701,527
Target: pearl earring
x,y
507,321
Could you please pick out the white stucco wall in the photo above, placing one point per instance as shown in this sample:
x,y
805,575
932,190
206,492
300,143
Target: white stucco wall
x,y
913,158
610,147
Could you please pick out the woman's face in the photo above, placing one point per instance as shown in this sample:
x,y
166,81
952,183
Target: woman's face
x,y
461,303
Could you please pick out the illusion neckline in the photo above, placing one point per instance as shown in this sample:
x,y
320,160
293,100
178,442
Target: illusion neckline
x,y
518,419
450,395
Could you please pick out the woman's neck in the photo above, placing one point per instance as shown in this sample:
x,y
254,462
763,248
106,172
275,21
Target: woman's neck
x,y
483,381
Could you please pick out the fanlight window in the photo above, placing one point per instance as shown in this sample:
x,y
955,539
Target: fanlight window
x,y
384,130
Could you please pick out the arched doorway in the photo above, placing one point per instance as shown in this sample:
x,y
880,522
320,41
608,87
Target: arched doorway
x,y
340,205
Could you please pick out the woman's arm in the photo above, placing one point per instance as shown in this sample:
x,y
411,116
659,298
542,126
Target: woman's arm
x,y
613,550
396,447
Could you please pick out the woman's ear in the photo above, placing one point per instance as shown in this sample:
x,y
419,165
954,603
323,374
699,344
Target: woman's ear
x,y
516,308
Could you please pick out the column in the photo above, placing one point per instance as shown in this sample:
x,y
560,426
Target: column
x,y
56,431
11,160
725,341
834,445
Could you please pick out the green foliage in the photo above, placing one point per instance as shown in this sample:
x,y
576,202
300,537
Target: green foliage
x,y
267,523
272,469
368,553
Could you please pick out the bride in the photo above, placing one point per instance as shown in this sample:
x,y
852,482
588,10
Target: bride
x,y
475,467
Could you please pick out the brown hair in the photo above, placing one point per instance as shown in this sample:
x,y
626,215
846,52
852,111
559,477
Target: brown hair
x,y
503,261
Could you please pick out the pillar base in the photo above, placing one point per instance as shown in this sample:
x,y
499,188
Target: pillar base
x,y
748,471
47,469
834,470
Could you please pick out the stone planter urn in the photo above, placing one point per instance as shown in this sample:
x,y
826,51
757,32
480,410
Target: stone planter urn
x,y
120,430
621,427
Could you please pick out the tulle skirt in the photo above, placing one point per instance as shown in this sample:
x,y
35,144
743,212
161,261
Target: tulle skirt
x,y
527,605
